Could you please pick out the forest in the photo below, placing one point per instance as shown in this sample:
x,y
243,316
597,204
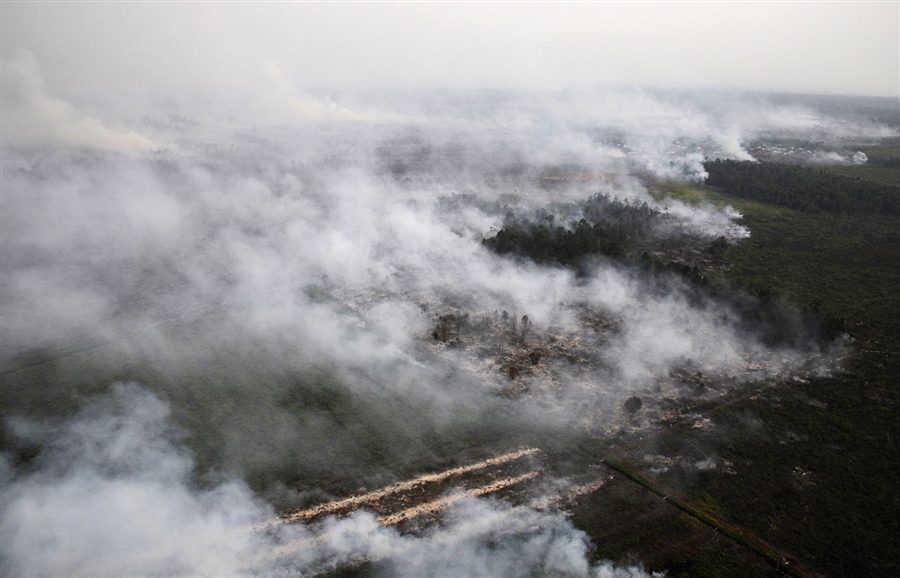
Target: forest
x,y
806,460
804,188
607,227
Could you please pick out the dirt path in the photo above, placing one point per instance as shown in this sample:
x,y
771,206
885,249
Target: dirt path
x,y
408,488
437,505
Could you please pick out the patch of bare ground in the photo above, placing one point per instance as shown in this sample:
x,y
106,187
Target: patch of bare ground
x,y
430,492
518,355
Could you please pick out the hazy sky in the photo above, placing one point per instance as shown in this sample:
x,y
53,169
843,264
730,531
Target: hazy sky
x,y
825,47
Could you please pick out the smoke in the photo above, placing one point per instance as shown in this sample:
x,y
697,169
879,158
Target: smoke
x,y
302,278
112,495
123,241
331,247
32,118
833,158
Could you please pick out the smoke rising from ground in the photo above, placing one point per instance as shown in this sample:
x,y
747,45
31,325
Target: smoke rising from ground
x,y
34,118
109,237
285,262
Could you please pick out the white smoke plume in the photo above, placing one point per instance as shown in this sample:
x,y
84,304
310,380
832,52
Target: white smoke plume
x,y
33,118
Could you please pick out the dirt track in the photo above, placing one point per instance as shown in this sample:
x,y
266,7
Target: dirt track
x,y
407,499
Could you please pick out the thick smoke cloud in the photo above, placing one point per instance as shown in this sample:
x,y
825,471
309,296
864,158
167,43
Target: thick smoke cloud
x,y
356,202
111,497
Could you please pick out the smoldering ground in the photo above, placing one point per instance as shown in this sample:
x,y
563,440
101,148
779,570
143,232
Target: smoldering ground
x,y
279,282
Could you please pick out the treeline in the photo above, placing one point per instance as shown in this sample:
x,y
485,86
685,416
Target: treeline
x,y
891,163
620,230
651,264
802,188
543,244
607,227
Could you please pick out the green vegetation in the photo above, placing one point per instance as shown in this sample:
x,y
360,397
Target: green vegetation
x,y
543,245
848,267
882,167
700,509
885,149
814,462
607,227
871,171
803,188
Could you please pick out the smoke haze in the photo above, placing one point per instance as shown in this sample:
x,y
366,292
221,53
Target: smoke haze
x,y
274,268
832,48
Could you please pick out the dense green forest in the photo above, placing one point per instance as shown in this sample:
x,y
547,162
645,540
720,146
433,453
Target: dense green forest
x,y
803,188
891,162
607,227
560,245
